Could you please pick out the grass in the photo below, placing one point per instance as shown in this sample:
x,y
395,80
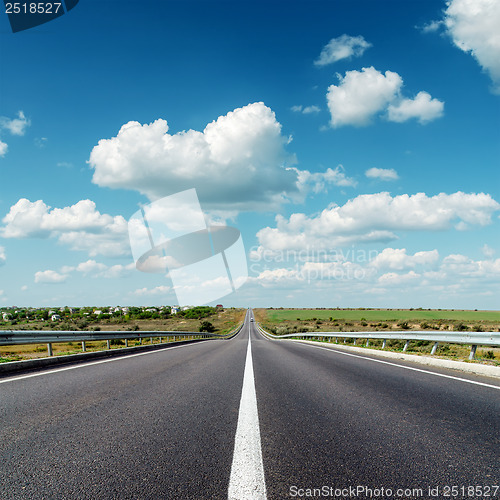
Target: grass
x,y
283,321
382,314
224,321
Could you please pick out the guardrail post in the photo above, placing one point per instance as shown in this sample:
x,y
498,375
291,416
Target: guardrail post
x,y
49,348
151,339
367,342
434,348
354,341
84,346
472,354
126,342
384,343
406,345
160,340
108,344
336,340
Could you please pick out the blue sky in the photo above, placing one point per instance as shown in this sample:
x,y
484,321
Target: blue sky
x,y
355,145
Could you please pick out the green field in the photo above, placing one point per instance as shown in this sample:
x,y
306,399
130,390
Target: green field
x,y
277,315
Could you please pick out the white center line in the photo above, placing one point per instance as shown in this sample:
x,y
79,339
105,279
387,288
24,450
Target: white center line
x,y
247,480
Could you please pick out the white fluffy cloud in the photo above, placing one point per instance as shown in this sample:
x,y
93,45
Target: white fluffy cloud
x,y
398,259
474,27
375,217
424,108
3,256
3,148
80,226
342,47
361,95
237,161
383,174
50,276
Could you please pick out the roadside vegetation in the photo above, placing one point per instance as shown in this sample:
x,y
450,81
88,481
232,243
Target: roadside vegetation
x,y
286,321
135,319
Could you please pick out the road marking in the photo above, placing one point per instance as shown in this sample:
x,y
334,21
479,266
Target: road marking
x,y
247,480
405,367
91,363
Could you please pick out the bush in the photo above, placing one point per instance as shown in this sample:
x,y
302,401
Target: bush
x,y
461,327
404,325
117,342
206,326
489,355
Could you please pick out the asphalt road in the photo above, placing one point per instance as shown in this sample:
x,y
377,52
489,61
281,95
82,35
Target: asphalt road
x,y
163,424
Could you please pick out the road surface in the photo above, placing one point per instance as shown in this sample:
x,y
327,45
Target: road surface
x,y
180,423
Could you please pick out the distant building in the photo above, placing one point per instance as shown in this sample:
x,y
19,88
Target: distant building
x,y
97,312
219,306
174,310
55,317
6,316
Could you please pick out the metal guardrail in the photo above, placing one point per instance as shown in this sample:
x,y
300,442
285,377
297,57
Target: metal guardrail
x,y
49,337
473,339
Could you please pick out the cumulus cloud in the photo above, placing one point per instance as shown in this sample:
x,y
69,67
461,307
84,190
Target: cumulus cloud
x,y
361,95
473,27
237,161
342,47
398,259
80,226
383,174
3,256
50,276
424,108
3,148
376,217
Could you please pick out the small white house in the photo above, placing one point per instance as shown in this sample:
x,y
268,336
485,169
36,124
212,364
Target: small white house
x,y
55,317
174,310
97,312
6,316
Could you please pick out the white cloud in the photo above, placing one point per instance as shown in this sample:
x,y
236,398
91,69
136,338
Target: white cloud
x,y
3,256
394,279
318,182
81,226
361,95
50,276
16,126
398,259
423,108
488,251
237,161
375,217
473,27
159,290
384,174
3,148
100,270
342,47
430,27
306,110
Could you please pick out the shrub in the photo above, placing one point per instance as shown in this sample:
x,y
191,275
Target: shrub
x,y
461,327
206,326
404,325
117,342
